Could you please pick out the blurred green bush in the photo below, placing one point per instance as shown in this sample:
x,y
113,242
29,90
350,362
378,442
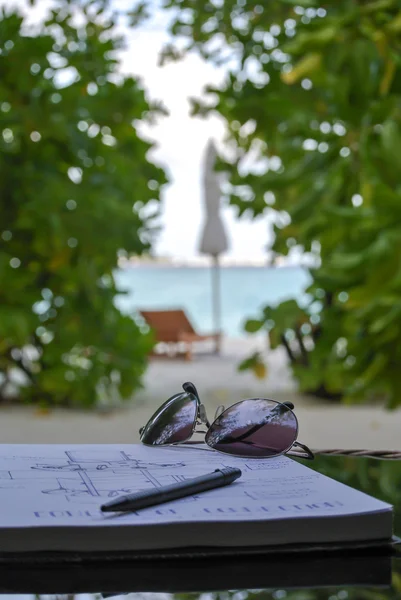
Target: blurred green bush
x,y
312,104
74,181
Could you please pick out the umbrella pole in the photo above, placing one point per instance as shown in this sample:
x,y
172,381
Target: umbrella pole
x,y
216,302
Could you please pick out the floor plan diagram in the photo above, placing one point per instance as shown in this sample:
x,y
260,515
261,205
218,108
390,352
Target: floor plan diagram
x,y
91,475
69,480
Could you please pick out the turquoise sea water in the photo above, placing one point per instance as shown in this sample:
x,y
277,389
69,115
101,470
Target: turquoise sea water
x,y
244,290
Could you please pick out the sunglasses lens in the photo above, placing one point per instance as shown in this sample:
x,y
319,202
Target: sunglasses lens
x,y
254,428
172,422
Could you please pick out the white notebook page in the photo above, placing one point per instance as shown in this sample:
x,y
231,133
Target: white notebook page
x,y
45,485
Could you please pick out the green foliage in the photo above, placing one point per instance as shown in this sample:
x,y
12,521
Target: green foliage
x,y
312,104
254,363
74,182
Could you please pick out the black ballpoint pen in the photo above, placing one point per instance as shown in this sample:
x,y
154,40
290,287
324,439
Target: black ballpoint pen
x,y
188,487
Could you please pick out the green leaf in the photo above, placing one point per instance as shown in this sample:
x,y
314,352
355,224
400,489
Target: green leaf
x,y
255,364
253,325
386,320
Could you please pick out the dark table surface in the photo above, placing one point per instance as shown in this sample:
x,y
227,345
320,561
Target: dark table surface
x,y
366,574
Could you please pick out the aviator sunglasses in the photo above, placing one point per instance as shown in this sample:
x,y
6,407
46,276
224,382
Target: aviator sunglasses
x,y
251,428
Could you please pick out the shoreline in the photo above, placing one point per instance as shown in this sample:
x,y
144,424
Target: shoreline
x,y
128,265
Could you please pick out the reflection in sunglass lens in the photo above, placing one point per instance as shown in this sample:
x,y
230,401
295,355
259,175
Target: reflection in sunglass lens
x,y
254,428
173,422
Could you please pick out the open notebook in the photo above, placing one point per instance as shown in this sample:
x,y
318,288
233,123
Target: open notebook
x,y
50,497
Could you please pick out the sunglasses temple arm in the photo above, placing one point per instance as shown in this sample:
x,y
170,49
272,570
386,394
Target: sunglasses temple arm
x,y
219,411
305,452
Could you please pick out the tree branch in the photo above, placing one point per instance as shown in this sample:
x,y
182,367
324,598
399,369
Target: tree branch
x,y
304,352
286,345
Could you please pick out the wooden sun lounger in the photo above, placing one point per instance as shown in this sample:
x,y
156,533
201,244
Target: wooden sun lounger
x,y
173,327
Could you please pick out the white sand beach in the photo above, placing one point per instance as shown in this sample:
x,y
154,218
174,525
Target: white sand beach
x,y
322,424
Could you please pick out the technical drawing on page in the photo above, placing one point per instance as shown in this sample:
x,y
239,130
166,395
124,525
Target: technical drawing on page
x,y
90,475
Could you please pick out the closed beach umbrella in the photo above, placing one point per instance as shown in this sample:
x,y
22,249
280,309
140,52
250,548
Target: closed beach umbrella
x,y
213,239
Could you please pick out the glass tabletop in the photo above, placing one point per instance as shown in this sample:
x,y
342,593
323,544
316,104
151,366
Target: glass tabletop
x,y
371,574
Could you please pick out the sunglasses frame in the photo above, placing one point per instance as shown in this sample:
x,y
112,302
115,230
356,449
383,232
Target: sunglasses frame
x,y
201,419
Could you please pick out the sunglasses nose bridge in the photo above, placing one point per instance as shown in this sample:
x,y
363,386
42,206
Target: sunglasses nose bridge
x,y
202,415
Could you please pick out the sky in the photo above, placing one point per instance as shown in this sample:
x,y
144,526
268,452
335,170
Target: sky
x,y
181,142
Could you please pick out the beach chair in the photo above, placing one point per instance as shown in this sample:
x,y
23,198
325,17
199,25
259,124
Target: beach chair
x,y
173,328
